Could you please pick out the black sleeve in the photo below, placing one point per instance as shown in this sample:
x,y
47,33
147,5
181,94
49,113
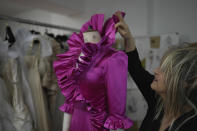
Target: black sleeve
x,y
142,78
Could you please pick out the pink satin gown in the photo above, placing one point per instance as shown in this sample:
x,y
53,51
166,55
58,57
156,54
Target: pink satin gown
x,y
95,91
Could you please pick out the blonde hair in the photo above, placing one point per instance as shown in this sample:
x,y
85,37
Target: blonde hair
x,y
180,77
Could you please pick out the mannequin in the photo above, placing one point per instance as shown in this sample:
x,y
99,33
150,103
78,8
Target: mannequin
x,y
90,84
90,36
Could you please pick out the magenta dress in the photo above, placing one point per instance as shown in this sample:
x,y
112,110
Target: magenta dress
x,y
95,90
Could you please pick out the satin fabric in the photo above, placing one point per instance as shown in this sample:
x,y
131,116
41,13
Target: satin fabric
x,y
95,89
37,69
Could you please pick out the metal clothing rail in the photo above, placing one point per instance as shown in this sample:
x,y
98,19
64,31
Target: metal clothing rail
x,y
31,22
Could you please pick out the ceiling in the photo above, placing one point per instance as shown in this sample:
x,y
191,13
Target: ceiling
x,y
74,8
65,7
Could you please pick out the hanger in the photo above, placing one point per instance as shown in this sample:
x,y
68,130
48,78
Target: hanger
x,y
64,38
10,36
59,39
49,34
34,32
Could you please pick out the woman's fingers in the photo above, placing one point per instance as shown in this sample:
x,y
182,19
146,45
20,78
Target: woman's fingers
x,y
122,32
122,29
119,15
117,25
120,25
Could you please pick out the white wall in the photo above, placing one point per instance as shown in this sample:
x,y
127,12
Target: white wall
x,y
152,17
175,16
136,12
136,15
51,18
144,17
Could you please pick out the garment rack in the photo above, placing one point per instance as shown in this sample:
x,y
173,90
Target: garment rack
x,y
31,22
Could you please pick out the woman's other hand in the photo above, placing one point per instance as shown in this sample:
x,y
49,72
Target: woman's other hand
x,y
124,31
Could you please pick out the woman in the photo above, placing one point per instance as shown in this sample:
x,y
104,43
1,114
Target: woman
x,y
171,93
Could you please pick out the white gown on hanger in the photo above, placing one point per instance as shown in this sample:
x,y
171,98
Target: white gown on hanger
x,y
6,110
34,57
22,120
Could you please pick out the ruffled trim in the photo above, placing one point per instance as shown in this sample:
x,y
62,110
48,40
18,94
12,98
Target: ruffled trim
x,y
96,22
67,73
75,41
69,108
117,122
106,29
64,68
89,50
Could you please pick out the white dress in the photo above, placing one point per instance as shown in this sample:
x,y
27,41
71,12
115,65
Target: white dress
x,y
6,110
24,40
37,65
11,76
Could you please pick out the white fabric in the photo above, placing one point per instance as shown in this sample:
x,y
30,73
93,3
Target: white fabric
x,y
13,107
24,39
6,110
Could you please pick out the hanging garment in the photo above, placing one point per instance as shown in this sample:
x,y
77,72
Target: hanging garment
x,y
23,38
37,49
54,97
6,110
37,67
22,120
95,90
50,80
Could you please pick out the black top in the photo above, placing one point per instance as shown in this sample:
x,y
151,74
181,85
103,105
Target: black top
x,y
143,79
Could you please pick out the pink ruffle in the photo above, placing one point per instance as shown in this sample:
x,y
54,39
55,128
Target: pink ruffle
x,y
117,122
75,41
69,108
65,69
96,22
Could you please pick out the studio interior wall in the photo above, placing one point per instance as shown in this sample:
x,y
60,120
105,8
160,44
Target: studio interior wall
x,y
175,16
144,17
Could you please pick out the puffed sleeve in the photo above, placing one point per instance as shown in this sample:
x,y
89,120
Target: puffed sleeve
x,y
116,83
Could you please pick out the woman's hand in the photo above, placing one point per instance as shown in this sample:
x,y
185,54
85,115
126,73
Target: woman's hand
x,y
124,31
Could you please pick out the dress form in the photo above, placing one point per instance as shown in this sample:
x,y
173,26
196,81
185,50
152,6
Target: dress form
x,y
90,36
88,85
